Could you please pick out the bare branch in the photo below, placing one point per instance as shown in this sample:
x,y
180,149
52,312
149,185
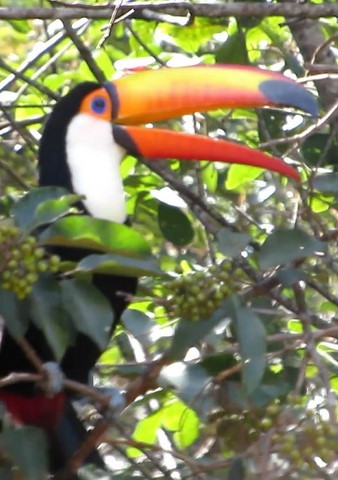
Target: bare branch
x,y
207,10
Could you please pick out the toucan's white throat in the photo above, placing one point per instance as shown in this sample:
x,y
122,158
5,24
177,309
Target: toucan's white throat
x,y
94,159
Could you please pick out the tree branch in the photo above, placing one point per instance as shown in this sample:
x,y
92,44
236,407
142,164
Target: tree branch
x,y
207,10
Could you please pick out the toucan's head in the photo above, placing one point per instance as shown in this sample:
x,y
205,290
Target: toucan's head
x,y
89,132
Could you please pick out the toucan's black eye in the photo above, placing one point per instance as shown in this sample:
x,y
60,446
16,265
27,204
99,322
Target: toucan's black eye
x,y
99,105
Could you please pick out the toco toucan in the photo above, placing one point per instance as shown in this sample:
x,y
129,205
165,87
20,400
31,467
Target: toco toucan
x,y
87,135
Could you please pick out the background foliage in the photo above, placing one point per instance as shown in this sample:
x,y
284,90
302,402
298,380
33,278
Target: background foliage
x,y
238,297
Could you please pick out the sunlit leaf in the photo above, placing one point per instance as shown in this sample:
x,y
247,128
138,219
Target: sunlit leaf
x,y
240,174
42,205
96,234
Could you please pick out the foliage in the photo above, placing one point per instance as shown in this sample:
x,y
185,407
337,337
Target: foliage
x,y
249,388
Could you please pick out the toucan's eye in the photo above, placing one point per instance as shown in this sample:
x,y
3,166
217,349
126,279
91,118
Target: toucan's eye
x,y
99,105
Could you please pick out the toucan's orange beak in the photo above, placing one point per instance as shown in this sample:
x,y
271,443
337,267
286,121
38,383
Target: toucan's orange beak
x,y
154,95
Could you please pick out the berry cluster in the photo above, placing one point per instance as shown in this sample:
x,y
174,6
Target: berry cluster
x,y
311,437
21,261
297,435
239,429
197,295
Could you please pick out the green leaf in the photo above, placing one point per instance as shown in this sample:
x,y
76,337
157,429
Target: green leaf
x,y
210,176
233,50
313,147
119,265
289,276
240,174
231,243
82,231
49,315
175,225
174,416
27,447
89,310
146,432
14,313
188,431
51,210
284,246
319,203
178,418
26,209
251,336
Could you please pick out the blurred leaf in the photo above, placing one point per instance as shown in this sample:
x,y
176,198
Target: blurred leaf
x,y
139,325
231,243
187,380
174,416
14,313
270,125
218,362
96,234
313,147
51,210
210,177
319,204
146,431
251,336
237,471
288,276
240,174
48,314
188,430
21,26
192,37
233,50
188,333
6,473
111,264
27,447
174,224
326,183
284,246
89,310
31,206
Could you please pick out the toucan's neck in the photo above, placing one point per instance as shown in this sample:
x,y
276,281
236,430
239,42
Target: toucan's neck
x,y
94,160
78,152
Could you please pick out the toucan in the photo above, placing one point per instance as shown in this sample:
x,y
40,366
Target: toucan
x,y
88,133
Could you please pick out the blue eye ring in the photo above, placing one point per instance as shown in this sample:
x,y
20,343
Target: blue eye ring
x,y
99,105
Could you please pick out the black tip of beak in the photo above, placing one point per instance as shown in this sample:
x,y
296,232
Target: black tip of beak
x,y
285,93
